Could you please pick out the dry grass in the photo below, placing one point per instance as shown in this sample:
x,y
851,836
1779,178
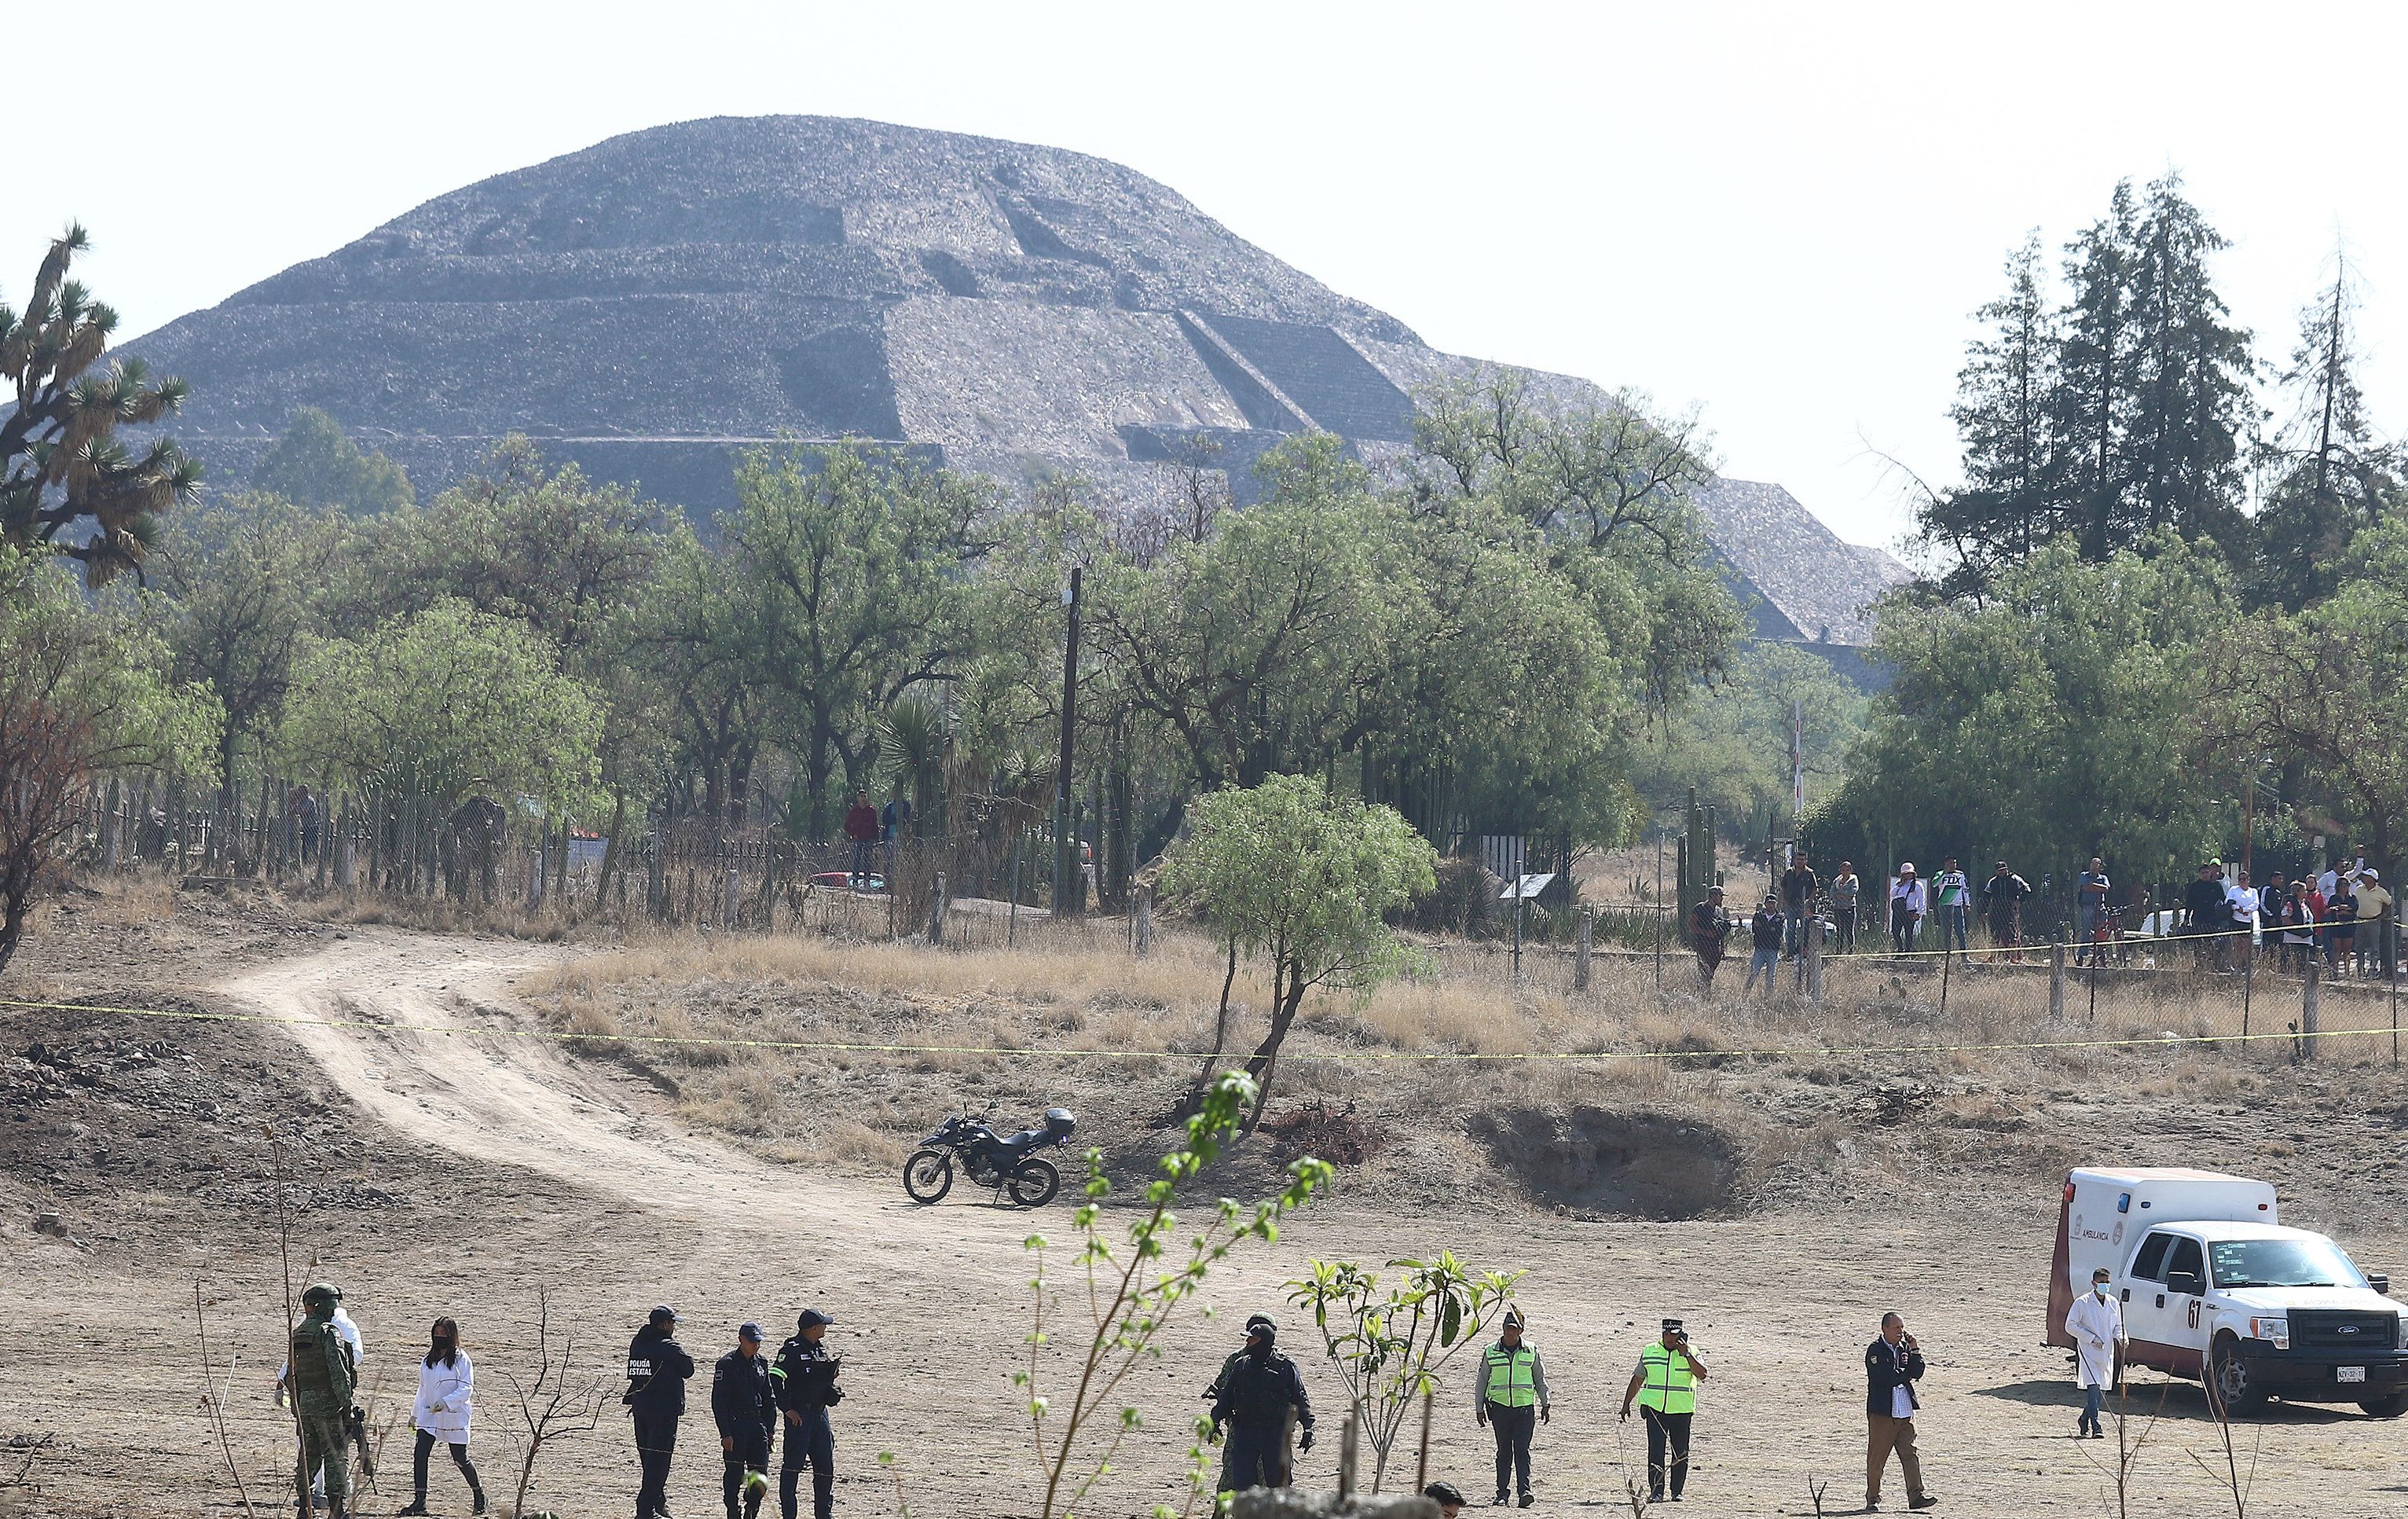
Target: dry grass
x,y
1876,1090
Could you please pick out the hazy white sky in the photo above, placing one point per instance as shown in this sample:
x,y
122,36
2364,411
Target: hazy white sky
x,y
1781,212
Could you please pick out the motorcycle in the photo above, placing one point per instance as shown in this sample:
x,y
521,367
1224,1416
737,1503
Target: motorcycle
x,y
1002,1161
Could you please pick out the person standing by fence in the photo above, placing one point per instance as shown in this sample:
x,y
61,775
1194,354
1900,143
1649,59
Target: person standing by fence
x,y
2206,916
1799,888
1709,928
1846,885
1908,902
2373,924
861,832
2090,907
2341,928
2002,897
1952,904
1765,929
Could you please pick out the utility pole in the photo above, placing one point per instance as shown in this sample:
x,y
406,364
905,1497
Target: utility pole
x,y
1066,848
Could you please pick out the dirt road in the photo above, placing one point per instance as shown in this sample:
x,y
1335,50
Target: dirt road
x,y
544,1168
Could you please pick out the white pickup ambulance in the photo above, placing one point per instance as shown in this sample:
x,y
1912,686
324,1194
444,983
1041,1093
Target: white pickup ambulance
x,y
2213,1287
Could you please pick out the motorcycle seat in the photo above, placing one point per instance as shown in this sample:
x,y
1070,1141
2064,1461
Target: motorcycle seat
x,y
1027,1139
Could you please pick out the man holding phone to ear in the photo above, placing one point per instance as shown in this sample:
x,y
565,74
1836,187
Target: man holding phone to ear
x,y
1666,1387
1893,1365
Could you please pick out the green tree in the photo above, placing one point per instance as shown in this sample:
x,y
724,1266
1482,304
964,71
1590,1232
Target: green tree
x,y
245,576
441,704
60,459
2012,497
848,560
2325,691
1732,740
2047,722
1392,1344
1287,871
2193,406
317,465
2325,473
83,690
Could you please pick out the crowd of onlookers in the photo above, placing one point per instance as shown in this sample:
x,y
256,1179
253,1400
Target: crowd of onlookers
x,y
2344,918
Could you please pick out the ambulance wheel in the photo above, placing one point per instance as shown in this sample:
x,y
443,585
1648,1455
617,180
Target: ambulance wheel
x,y
2231,1386
2386,1408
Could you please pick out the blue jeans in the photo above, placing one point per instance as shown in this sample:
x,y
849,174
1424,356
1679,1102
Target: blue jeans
x,y
2090,1396
1767,959
1952,927
2091,914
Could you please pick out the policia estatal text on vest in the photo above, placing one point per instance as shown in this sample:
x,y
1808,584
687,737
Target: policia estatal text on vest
x,y
1511,1390
1666,1386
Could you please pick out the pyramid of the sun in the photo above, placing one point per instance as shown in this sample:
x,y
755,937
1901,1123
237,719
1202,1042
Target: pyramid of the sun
x,y
649,304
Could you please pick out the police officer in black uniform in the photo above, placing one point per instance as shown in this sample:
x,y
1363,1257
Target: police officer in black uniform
x,y
744,1405
1255,1396
657,1370
804,1376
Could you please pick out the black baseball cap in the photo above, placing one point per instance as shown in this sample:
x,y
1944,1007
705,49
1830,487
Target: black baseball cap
x,y
749,1331
813,1316
665,1314
1443,1493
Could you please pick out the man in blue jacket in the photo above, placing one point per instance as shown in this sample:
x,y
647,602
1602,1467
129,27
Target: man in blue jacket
x,y
805,1377
658,1369
744,1405
1893,1365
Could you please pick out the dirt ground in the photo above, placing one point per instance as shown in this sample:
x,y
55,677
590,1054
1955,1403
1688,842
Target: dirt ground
x,y
460,1173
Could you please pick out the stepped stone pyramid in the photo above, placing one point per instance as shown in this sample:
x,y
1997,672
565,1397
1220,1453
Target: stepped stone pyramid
x,y
654,303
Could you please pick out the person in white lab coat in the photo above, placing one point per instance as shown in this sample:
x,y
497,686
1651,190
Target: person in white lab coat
x,y
2096,1322
446,1383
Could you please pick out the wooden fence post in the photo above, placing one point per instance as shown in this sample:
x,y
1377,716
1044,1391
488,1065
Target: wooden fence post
x,y
1810,959
2310,1013
2056,983
1580,958
1145,919
937,910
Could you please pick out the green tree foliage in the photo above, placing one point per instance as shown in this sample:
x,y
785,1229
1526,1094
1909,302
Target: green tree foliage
x,y
2325,692
2118,416
60,460
317,465
84,688
442,704
2050,721
247,579
2326,474
1306,878
1391,1339
1732,740
848,563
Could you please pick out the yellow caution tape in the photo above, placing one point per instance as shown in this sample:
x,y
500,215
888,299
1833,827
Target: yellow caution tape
x,y
2159,1042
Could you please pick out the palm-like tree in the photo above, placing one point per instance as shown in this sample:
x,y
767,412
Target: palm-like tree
x,y
60,461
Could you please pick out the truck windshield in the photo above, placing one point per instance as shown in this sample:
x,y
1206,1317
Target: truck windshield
x,y
2281,1263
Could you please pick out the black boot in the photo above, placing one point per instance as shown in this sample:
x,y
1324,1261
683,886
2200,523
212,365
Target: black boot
x,y
417,1505
477,1500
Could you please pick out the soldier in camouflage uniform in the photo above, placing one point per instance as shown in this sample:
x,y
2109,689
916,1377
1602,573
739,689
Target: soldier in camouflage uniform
x,y
322,1386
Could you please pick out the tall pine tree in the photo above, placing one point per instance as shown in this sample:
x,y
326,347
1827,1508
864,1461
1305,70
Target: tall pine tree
x,y
2011,502
2190,378
2324,474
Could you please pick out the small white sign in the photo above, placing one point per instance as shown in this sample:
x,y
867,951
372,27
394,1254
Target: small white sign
x,y
1524,888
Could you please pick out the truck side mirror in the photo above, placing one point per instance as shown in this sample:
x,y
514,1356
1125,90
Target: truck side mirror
x,y
2185,1282
2379,1283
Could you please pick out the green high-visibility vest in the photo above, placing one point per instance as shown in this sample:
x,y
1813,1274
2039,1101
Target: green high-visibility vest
x,y
1510,1384
1668,1386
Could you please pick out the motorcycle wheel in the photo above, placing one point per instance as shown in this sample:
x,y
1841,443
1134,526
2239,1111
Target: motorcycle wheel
x,y
1034,1185
928,1175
